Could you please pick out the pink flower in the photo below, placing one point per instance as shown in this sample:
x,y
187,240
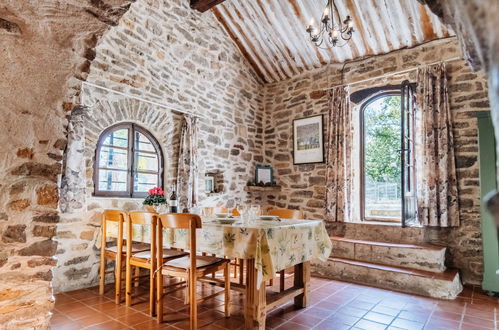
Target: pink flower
x,y
156,191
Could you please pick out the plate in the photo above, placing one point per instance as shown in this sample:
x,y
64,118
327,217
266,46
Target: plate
x,y
268,217
225,221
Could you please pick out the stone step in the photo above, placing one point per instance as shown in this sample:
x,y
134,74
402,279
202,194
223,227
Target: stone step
x,y
423,257
444,285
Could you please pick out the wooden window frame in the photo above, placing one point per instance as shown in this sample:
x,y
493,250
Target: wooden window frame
x,y
129,193
365,104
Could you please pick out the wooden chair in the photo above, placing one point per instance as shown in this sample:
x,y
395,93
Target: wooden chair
x,y
114,253
190,267
145,259
285,214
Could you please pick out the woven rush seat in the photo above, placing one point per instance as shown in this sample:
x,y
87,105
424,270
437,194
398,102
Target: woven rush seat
x,y
201,262
136,247
167,253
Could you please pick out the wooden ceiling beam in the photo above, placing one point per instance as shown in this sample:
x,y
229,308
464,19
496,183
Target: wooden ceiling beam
x,y
204,5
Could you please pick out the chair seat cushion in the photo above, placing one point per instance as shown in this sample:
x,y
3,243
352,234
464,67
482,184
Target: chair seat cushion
x,y
167,253
136,247
201,261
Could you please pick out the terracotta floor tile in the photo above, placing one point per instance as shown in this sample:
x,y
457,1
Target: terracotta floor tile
x,y
352,311
329,305
369,325
274,322
343,319
110,325
318,312
386,310
133,319
465,326
471,320
441,324
306,319
233,322
293,326
93,319
407,324
447,315
329,325
484,313
379,318
63,308
421,316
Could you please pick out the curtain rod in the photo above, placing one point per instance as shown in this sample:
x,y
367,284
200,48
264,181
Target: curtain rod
x,y
144,100
392,73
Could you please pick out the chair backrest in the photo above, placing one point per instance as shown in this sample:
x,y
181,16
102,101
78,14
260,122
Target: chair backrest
x,y
286,213
179,221
141,218
113,216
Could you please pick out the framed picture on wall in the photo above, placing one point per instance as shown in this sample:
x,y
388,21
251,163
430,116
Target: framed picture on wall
x,y
308,140
264,174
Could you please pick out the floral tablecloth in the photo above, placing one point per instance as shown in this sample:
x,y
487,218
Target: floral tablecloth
x,y
275,245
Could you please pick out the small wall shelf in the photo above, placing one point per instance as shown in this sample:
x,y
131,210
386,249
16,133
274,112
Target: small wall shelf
x,y
262,189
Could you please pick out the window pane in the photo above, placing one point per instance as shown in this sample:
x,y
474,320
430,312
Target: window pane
x,y
112,180
143,182
382,167
146,162
113,158
142,143
118,138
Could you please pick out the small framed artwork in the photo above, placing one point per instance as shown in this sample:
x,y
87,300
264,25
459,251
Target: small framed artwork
x,y
209,184
308,140
264,174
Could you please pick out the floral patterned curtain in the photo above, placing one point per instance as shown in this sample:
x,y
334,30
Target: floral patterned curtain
x,y
187,164
437,192
339,149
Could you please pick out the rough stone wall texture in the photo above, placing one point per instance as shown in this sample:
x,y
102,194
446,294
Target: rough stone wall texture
x,y
46,47
160,53
303,185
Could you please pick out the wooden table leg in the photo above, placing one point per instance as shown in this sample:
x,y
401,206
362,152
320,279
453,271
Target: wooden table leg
x,y
255,312
302,280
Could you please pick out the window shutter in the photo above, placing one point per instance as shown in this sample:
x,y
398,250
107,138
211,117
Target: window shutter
x,y
408,186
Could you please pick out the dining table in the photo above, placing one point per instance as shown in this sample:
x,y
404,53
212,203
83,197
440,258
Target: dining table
x,y
266,246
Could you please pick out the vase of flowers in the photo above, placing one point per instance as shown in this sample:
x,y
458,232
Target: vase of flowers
x,y
155,201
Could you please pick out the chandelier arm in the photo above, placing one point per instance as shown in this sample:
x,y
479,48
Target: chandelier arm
x,y
340,23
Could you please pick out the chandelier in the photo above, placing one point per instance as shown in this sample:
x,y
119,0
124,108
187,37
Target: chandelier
x,y
332,28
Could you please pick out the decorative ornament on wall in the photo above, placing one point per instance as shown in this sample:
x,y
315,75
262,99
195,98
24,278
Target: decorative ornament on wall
x,y
331,28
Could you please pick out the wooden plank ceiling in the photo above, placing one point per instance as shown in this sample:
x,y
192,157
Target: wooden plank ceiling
x,y
271,33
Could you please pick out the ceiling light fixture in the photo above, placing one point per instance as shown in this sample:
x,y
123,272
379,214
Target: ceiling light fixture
x,y
332,28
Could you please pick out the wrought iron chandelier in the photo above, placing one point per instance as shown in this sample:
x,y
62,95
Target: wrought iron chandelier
x,y
332,28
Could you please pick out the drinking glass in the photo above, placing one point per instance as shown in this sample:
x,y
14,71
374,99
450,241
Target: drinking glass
x,y
207,212
243,212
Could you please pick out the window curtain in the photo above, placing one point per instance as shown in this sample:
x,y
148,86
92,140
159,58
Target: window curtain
x,y
187,164
436,181
339,149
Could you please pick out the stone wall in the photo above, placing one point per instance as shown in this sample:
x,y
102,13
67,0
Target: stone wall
x,y
303,185
159,52
46,47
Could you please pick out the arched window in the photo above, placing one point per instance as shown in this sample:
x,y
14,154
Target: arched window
x,y
380,155
128,162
